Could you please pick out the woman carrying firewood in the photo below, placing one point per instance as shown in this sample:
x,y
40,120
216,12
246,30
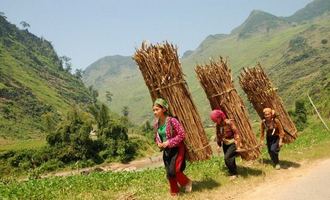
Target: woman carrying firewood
x,y
274,137
228,138
169,136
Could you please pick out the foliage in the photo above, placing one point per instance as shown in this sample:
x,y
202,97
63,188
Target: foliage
x,y
299,115
70,142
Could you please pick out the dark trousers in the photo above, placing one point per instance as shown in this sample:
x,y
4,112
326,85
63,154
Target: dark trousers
x,y
230,154
273,147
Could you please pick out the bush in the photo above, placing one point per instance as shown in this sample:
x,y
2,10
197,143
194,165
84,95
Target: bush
x,y
324,41
51,165
300,115
297,43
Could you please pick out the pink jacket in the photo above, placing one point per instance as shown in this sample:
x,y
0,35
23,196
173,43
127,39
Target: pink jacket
x,y
178,133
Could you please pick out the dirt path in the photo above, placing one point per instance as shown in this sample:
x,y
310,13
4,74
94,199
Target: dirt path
x,y
311,181
136,165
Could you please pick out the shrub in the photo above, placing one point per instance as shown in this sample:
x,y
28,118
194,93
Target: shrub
x,y
324,41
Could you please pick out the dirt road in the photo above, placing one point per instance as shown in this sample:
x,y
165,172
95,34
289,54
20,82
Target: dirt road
x,y
136,165
311,182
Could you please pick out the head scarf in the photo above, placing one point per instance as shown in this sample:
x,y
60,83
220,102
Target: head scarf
x,y
217,114
161,102
269,110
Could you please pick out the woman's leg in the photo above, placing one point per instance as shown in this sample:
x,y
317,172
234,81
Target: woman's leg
x,y
174,188
181,177
273,148
230,154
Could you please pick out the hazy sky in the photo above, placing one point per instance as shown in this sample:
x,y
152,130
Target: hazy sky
x,y
86,30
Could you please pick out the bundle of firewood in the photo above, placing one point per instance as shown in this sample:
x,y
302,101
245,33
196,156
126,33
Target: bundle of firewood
x,y
262,94
217,83
162,73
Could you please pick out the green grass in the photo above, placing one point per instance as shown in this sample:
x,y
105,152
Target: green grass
x,y
208,175
14,145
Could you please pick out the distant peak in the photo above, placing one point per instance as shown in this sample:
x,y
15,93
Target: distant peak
x,y
310,11
259,21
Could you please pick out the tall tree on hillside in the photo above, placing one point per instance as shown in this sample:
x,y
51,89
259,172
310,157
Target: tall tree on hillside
x,y
78,73
2,14
125,111
93,93
67,62
109,96
25,25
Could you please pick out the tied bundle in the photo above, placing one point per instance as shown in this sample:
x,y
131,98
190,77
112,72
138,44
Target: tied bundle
x,y
217,83
262,94
162,73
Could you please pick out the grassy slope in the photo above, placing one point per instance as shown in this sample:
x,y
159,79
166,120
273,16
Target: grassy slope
x,y
32,83
120,76
269,50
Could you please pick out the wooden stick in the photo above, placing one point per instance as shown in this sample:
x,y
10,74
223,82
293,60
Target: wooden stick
x,y
261,93
318,114
217,82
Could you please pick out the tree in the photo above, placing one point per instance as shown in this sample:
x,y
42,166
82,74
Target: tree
x,y
300,115
2,14
67,62
25,25
125,111
93,93
78,74
109,96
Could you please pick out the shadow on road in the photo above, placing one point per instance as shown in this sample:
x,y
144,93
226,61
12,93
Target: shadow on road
x,y
206,184
285,164
245,172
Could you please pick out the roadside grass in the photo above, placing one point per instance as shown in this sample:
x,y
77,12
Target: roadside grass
x,y
14,145
208,176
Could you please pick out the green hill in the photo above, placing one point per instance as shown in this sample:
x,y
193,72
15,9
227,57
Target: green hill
x,y
120,76
311,11
295,55
259,21
33,84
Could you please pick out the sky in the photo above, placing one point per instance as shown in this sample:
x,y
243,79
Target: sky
x,y
87,30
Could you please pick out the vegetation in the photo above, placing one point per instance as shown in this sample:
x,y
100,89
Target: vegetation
x,y
71,142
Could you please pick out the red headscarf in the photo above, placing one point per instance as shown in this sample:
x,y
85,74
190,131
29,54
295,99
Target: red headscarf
x,y
217,114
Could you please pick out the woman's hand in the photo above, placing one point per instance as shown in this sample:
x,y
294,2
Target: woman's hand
x,y
160,145
280,144
165,144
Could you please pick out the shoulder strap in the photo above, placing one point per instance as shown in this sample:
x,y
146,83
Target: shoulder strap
x,y
171,126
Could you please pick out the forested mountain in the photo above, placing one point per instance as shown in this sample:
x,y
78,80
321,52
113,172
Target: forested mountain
x,y
36,86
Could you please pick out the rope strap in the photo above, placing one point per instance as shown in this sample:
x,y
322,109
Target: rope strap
x,y
249,149
167,86
219,94
195,150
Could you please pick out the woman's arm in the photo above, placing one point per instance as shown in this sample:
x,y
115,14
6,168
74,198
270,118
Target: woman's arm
x,y
219,135
280,131
237,138
262,132
178,133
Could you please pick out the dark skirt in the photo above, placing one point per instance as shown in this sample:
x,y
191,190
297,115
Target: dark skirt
x,y
173,159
